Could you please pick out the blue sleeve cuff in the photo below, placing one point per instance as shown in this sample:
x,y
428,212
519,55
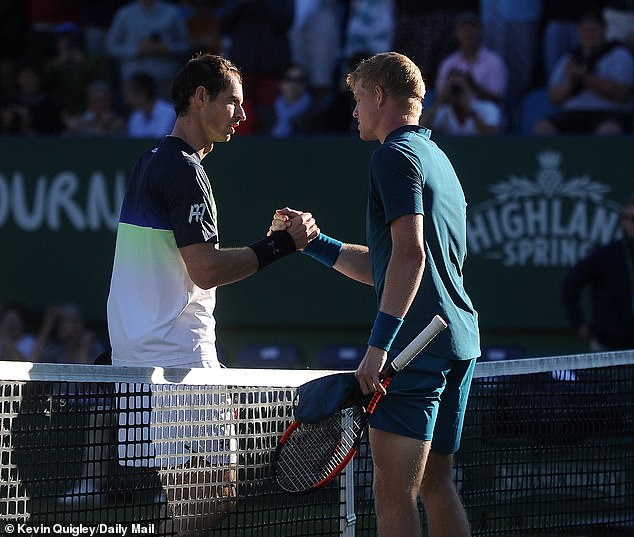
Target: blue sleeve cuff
x,y
384,331
324,249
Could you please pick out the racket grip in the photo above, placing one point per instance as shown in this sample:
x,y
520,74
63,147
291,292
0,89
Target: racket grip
x,y
437,325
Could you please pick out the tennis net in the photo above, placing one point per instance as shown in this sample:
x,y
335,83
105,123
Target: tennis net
x,y
548,449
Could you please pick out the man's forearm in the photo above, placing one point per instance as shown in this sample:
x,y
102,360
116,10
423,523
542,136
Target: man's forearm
x,y
354,262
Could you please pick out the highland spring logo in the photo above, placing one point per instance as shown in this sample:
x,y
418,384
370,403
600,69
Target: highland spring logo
x,y
548,222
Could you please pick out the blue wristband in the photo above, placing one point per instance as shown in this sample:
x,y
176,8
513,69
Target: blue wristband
x,y
324,249
384,331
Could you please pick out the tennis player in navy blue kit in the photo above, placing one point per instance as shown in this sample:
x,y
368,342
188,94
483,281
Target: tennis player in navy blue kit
x,y
416,233
167,262
167,265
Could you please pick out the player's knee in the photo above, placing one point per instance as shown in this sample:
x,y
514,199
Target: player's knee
x,y
438,475
390,491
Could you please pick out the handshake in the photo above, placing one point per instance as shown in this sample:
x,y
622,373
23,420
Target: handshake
x,y
300,226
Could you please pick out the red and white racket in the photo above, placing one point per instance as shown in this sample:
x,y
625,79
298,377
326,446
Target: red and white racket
x,y
310,455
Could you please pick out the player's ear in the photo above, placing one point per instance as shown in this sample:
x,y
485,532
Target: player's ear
x,y
200,94
380,95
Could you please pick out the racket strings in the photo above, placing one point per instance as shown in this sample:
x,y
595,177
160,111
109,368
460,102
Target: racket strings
x,y
314,451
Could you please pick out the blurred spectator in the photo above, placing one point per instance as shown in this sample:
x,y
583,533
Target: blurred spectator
x,y
44,17
68,73
15,343
31,110
257,41
292,106
14,31
592,84
63,338
96,17
203,28
337,116
100,119
511,30
560,28
315,43
608,273
619,21
370,27
148,36
424,31
457,111
485,69
150,116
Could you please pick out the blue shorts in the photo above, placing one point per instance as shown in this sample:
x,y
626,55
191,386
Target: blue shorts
x,y
428,402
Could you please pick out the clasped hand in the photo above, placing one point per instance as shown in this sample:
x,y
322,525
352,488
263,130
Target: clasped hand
x,y
300,225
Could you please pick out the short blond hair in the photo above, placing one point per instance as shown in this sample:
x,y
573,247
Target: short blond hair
x,y
399,76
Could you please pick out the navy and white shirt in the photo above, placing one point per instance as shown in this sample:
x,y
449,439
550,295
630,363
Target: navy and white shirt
x,y
156,315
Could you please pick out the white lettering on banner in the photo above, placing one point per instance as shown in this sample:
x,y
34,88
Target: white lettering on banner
x,y
548,222
61,196
59,199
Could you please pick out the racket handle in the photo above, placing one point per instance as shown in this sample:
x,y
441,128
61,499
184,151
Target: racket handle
x,y
437,325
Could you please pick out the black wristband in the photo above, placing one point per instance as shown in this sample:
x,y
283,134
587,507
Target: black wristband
x,y
274,247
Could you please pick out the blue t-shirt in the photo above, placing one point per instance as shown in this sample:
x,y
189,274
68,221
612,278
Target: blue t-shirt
x,y
409,174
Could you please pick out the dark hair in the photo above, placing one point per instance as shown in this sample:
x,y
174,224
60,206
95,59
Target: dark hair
x,y
143,83
592,14
212,72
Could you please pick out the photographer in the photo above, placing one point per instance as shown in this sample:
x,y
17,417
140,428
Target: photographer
x,y
592,84
457,111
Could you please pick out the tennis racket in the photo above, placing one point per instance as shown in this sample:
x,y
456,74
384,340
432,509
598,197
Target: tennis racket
x,y
309,455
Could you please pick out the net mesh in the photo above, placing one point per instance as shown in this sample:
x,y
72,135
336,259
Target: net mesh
x,y
548,449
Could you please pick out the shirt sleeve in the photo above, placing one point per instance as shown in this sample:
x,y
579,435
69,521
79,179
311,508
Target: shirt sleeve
x,y
443,69
496,78
399,183
618,67
117,44
558,74
189,202
578,277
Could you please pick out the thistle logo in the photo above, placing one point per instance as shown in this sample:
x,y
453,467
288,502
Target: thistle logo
x,y
547,222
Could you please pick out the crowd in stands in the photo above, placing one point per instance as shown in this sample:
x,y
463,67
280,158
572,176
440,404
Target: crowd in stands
x,y
59,336
103,68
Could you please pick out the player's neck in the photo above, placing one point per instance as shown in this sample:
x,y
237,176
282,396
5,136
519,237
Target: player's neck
x,y
192,137
393,117
391,126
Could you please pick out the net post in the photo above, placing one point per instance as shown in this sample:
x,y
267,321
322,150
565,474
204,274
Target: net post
x,y
348,517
